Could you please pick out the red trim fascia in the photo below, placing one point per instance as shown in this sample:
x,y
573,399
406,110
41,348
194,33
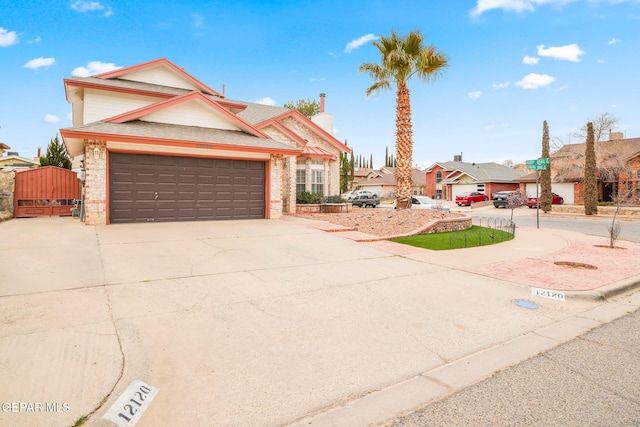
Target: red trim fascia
x,y
198,156
107,203
318,156
267,190
155,63
176,100
69,133
284,129
314,127
90,85
232,105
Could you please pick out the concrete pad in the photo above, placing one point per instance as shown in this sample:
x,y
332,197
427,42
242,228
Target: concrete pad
x,y
81,366
48,254
256,322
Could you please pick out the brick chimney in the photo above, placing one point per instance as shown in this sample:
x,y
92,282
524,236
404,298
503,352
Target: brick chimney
x,y
322,95
615,136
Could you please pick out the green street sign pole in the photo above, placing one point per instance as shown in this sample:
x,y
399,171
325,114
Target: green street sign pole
x,y
537,199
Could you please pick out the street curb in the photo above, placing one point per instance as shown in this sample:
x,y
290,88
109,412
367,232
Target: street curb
x,y
606,292
383,406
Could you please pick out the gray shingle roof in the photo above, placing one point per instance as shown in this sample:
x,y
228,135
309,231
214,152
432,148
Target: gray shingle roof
x,y
485,172
213,136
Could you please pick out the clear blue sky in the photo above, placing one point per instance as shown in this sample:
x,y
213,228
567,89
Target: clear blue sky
x,y
513,64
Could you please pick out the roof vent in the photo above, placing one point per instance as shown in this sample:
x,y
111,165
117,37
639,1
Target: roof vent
x,y
457,157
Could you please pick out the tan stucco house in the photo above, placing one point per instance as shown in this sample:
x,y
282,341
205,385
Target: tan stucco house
x,y
159,145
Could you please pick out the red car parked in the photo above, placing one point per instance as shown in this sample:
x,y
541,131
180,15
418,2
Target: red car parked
x,y
532,202
467,199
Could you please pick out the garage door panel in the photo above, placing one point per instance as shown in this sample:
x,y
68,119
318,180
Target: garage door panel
x,y
165,188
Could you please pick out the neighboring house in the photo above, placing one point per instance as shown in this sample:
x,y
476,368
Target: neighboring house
x,y
14,160
159,145
618,164
383,182
446,180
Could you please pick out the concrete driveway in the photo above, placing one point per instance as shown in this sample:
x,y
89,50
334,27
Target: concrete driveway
x,y
240,323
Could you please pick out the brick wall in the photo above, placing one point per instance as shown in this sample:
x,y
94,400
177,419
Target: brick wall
x,y
95,162
7,188
276,202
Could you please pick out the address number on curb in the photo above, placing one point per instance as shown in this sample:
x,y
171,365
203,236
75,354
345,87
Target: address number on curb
x,y
546,293
131,404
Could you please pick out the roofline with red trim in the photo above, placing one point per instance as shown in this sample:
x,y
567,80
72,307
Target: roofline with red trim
x,y
101,136
154,63
176,100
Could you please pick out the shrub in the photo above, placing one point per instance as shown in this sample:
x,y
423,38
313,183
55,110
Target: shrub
x,y
307,198
335,199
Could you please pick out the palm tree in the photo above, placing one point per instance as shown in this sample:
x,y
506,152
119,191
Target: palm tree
x,y
403,57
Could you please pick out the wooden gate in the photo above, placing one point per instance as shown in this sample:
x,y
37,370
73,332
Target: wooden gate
x,y
46,191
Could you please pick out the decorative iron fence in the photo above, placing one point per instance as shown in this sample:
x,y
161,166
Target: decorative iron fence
x,y
494,230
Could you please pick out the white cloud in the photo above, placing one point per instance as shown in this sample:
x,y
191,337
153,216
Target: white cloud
x,y
354,44
198,20
534,81
35,41
50,118
474,95
7,38
502,85
570,52
518,6
34,64
614,41
530,60
91,6
317,79
266,101
94,67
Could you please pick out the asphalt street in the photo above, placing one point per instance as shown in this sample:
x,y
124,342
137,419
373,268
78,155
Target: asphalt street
x,y
593,380
597,226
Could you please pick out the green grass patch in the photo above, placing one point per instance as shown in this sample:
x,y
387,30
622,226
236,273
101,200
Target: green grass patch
x,y
469,238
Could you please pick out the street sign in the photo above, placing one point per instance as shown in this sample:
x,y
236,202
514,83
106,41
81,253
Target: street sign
x,y
538,164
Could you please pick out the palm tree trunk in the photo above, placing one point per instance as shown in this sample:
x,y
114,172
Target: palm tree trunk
x,y
404,147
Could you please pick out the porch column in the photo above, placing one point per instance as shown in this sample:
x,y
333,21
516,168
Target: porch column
x,y
95,198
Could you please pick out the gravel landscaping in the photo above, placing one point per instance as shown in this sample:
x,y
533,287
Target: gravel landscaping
x,y
381,221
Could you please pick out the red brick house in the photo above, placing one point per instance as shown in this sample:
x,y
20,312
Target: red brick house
x,y
446,180
618,163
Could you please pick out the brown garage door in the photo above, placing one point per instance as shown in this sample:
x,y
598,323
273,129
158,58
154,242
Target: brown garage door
x,y
147,188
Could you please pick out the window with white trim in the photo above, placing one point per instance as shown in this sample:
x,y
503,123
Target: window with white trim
x,y
317,178
301,180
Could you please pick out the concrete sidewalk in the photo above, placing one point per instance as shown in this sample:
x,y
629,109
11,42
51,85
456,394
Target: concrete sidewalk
x,y
259,323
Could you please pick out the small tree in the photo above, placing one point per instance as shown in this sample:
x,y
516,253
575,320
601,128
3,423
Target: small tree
x,y
590,178
56,155
305,106
619,201
545,175
516,199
